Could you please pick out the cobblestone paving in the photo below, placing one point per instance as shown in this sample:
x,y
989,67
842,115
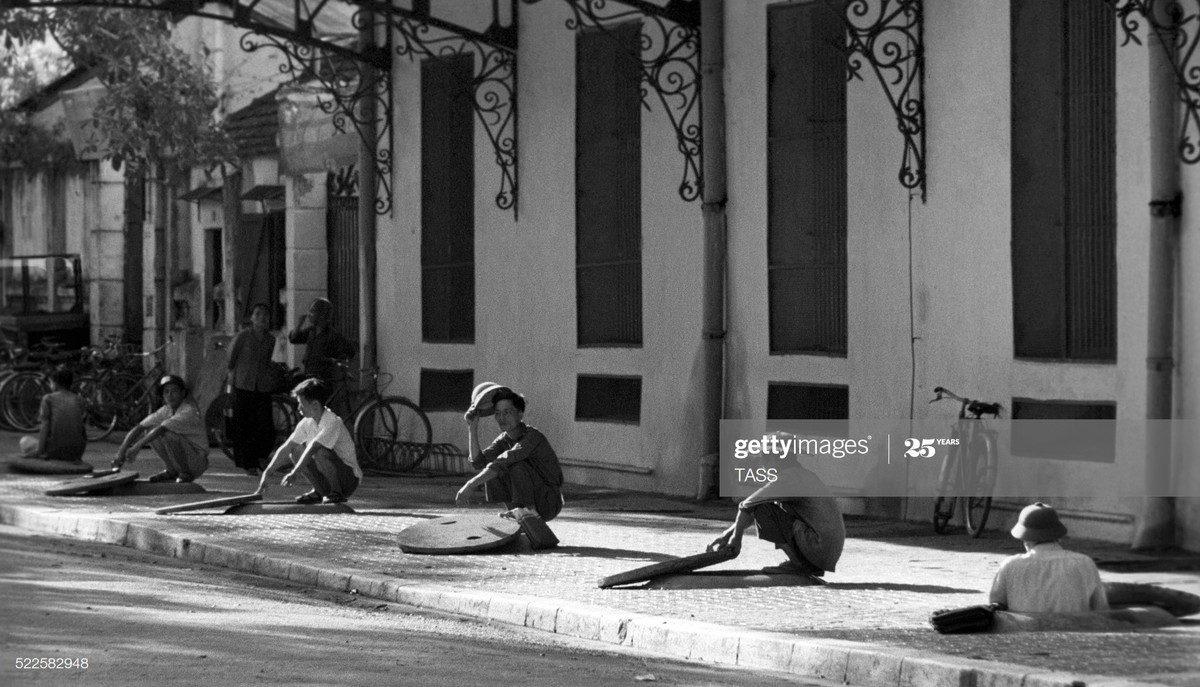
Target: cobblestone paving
x,y
883,592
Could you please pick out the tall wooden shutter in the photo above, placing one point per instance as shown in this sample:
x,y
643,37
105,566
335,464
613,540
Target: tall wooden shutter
x,y
1063,179
447,200
806,153
341,245
608,182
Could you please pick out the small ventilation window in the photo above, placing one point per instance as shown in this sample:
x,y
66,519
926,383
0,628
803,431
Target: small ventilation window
x,y
446,389
1083,439
791,401
603,398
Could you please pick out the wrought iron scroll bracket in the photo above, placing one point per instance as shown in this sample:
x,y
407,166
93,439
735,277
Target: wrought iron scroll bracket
x,y
888,36
669,58
346,85
1180,29
493,88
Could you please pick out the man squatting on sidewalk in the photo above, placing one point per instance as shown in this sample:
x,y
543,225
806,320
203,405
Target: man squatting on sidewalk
x,y
320,448
519,468
798,514
175,432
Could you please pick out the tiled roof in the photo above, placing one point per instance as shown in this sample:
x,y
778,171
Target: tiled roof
x,y
255,127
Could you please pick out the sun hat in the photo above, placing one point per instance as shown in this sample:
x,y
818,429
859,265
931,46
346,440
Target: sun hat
x,y
481,399
1038,523
321,306
172,379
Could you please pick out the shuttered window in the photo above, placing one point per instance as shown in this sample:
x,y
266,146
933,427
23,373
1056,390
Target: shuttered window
x,y
792,401
796,401
608,398
447,200
446,389
806,158
608,218
1094,441
341,245
1063,180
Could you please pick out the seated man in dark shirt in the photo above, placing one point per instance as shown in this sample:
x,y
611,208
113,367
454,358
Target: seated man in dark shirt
x,y
519,468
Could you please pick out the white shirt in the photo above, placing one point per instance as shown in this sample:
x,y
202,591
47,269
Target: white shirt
x,y
331,433
184,421
1049,579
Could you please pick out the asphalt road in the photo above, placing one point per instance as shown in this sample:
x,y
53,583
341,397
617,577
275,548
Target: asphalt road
x,y
140,619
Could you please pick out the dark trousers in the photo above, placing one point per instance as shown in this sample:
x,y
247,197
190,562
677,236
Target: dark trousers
x,y
776,524
328,474
521,486
253,431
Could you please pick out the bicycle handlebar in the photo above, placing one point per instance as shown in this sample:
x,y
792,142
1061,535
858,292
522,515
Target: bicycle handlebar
x,y
976,408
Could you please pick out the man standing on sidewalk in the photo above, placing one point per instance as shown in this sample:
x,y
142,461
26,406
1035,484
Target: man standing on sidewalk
x,y
797,513
323,344
520,468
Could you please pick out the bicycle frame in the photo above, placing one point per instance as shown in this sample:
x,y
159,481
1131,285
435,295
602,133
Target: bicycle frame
x,y
969,470
350,393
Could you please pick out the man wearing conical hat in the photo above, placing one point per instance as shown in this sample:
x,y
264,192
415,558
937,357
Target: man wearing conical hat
x,y
1047,578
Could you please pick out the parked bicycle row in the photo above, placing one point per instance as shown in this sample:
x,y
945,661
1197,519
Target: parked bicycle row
x,y
118,387
102,375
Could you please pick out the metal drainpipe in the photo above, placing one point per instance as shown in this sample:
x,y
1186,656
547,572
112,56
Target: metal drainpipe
x,y
712,115
366,207
1156,524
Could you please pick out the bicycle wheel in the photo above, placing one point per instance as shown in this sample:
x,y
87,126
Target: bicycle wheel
x,y
943,506
22,399
214,422
99,409
131,394
392,435
284,416
982,478
4,377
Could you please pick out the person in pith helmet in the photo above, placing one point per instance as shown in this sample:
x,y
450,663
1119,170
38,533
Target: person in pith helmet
x,y
1047,578
324,345
519,468
176,433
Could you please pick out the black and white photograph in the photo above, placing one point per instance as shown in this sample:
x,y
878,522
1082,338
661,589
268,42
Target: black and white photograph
x,y
600,342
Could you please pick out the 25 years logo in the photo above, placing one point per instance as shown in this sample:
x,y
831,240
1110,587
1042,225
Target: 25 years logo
x,y
919,448
924,448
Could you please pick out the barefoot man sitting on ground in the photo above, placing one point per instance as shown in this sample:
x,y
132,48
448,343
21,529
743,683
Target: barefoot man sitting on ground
x,y
798,514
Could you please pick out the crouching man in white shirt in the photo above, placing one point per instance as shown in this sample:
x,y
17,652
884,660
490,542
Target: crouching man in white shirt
x,y
320,449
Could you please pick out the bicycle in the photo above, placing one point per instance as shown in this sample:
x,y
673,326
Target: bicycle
x,y
969,469
116,398
391,433
24,384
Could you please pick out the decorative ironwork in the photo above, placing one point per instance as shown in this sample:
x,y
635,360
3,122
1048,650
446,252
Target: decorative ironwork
x,y
342,182
357,94
888,35
1179,29
351,75
493,89
670,62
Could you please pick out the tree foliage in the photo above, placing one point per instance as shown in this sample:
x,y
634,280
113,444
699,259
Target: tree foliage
x,y
159,103
25,70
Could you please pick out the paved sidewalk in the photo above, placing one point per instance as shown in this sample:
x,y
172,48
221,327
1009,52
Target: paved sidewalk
x,y
867,626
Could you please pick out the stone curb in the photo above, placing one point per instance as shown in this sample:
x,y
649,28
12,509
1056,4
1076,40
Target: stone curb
x,y
853,663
